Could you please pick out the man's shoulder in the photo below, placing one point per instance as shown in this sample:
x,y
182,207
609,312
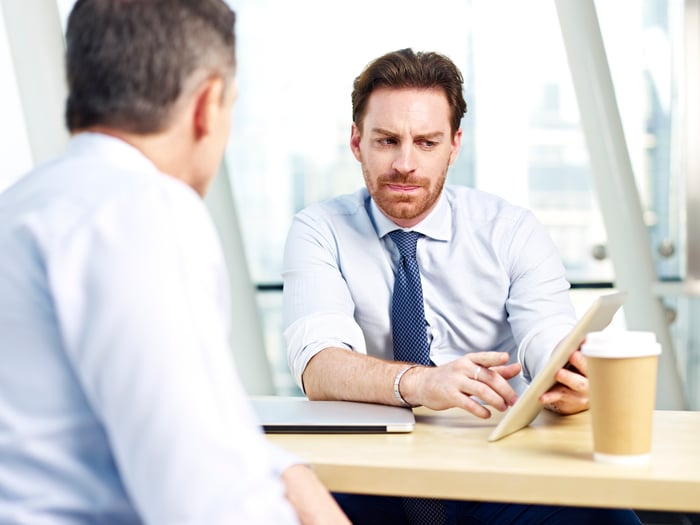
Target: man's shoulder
x,y
345,217
73,191
347,205
478,205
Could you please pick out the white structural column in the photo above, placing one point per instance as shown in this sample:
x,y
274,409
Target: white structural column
x,y
628,238
36,39
36,43
247,337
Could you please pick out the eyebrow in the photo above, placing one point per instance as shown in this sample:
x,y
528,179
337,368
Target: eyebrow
x,y
429,136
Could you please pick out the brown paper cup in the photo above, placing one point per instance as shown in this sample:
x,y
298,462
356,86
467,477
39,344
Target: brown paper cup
x,y
622,380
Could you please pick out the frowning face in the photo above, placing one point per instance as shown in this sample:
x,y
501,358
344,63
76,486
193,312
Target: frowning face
x,y
405,146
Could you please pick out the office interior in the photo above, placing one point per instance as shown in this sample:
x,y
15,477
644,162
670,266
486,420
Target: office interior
x,y
589,121
585,112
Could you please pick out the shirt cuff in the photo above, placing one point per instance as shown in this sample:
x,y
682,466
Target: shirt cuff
x,y
281,460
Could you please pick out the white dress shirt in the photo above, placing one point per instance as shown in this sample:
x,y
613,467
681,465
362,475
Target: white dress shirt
x,y
119,401
492,280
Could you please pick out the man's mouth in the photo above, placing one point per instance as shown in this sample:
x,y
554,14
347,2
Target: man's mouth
x,y
403,188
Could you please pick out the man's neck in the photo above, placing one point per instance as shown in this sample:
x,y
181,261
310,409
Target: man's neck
x,y
164,149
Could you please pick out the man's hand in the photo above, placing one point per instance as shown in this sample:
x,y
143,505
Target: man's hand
x,y
483,375
310,499
570,394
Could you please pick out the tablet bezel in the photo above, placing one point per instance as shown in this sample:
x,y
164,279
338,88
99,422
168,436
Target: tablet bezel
x,y
526,408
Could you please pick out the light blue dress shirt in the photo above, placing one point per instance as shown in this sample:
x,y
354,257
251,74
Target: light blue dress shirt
x,y
119,401
492,280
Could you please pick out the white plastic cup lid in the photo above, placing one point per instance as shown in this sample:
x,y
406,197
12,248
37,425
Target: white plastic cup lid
x,y
620,344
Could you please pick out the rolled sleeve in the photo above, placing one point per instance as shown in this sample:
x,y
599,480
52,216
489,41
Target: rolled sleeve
x,y
309,335
318,305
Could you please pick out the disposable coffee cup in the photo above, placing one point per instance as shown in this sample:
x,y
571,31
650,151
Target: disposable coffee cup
x,y
622,368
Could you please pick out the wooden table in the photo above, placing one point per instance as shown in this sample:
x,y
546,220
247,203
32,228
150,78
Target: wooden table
x,y
550,462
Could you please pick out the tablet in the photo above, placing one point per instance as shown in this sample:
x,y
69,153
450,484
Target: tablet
x,y
526,408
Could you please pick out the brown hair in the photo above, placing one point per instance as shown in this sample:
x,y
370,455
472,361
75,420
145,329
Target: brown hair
x,y
407,69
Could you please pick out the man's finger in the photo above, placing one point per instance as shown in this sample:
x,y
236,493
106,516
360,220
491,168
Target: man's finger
x,y
553,395
495,384
578,360
572,380
489,359
507,371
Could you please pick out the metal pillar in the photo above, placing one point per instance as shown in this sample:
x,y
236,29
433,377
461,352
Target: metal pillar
x,y
628,238
691,132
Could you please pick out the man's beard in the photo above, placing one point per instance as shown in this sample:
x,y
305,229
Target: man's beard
x,y
405,207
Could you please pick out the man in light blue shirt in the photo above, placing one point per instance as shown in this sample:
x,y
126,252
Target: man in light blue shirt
x,y
119,400
494,291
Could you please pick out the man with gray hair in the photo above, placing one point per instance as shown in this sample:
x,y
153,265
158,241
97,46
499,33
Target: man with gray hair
x,y
119,400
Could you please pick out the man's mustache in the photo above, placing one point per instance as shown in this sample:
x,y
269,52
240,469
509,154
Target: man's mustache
x,y
399,178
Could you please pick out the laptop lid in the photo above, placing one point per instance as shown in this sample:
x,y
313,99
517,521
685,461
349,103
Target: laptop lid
x,y
526,408
289,414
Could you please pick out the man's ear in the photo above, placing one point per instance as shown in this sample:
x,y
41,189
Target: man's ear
x,y
355,137
208,106
454,146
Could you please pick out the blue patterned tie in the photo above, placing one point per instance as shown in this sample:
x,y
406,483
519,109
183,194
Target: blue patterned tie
x,y
407,313
408,328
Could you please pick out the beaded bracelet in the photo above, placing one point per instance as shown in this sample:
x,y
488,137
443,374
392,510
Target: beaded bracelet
x,y
397,393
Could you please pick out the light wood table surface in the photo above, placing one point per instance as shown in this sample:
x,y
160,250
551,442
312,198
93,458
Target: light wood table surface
x,y
550,462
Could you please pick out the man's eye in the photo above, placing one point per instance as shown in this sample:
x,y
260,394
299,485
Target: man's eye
x,y
386,141
428,143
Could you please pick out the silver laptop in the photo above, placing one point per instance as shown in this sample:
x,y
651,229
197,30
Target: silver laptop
x,y
289,414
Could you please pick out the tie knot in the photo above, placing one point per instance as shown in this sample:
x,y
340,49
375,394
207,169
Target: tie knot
x,y
405,241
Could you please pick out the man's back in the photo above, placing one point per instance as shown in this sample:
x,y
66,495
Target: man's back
x,y
53,449
119,398
116,373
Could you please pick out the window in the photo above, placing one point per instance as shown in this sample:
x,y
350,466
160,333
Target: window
x,y
522,138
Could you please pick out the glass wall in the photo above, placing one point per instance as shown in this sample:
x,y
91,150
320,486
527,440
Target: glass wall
x,y
522,138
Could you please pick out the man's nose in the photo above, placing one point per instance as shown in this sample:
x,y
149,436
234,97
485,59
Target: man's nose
x,y
405,159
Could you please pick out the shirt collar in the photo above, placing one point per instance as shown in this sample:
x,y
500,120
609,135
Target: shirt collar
x,y
437,225
116,150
